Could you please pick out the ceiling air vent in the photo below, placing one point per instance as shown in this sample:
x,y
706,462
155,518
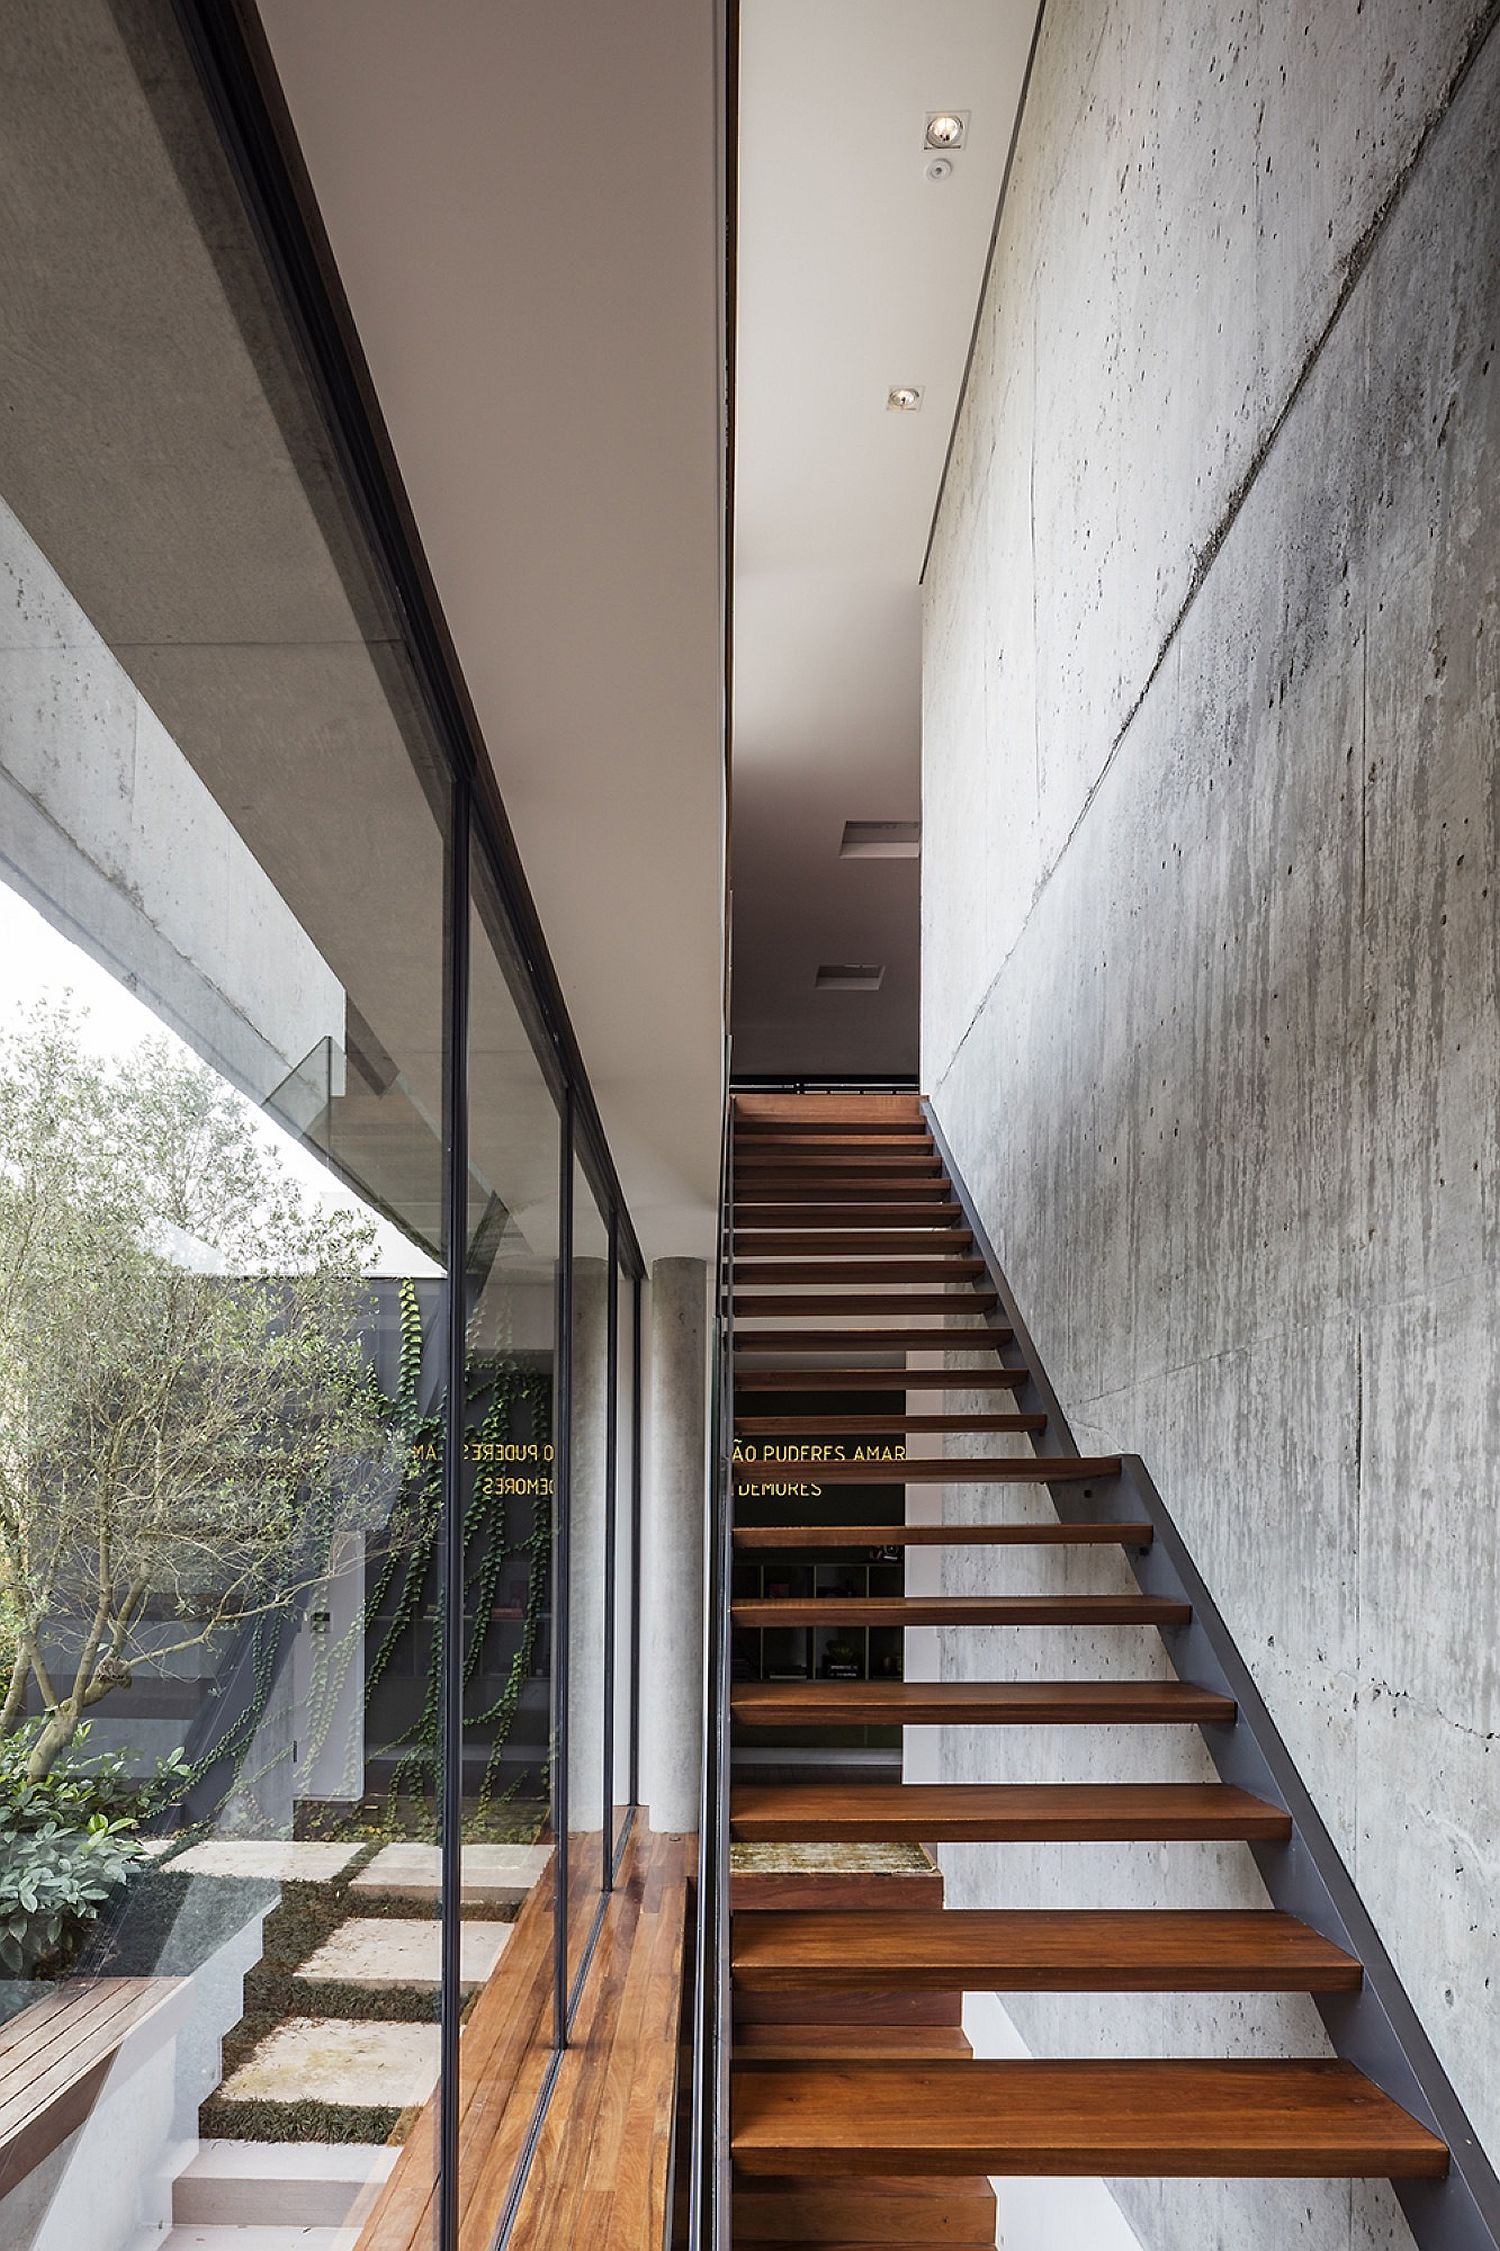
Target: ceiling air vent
x,y
849,977
881,840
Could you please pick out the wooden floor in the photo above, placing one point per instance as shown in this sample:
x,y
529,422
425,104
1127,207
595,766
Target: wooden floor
x,y
600,2175
860,2118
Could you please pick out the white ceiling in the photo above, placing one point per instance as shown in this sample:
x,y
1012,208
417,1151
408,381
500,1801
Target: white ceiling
x,y
856,273
524,203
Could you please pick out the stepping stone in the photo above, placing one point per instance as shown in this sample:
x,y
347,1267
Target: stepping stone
x,y
378,1950
281,1859
494,1875
329,2059
280,2184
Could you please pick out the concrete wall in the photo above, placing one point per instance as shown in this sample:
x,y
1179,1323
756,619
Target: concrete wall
x,y
1211,956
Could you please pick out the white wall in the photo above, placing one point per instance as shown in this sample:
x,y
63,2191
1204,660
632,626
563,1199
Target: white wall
x,y
1211,963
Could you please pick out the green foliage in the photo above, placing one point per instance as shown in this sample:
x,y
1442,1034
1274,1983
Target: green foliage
x,y
53,1881
67,1840
188,1426
81,1784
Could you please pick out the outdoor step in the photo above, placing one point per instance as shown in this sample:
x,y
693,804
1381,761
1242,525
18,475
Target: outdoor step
x,y
280,2184
1040,1950
958,1703
1001,1813
940,1469
964,1610
1142,2119
791,1536
277,2236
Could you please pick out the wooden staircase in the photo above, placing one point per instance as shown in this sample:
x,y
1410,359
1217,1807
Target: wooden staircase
x,y
859,2116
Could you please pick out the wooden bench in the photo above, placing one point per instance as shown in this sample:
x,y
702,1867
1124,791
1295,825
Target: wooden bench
x,y
56,2054
600,2173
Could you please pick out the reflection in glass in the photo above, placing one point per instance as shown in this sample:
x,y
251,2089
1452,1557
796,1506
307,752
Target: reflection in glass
x,y
588,1504
623,1547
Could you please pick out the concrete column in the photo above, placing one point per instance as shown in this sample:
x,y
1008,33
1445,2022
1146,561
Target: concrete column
x,y
674,1514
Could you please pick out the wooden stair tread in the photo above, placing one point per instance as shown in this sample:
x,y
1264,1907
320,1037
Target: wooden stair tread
x,y
797,2214
781,1536
873,1379
836,1271
942,1469
1174,2119
837,2042
1231,2119
779,1304
840,1426
785,1183
964,1610
847,1218
1004,1703
856,1243
1040,1950
989,1339
1000,1813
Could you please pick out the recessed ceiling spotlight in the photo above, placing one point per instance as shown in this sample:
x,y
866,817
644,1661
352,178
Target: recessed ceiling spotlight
x,y
849,976
906,398
881,840
945,129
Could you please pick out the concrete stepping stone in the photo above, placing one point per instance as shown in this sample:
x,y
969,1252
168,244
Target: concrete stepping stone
x,y
280,2184
494,1875
282,1859
252,2239
377,1950
332,2060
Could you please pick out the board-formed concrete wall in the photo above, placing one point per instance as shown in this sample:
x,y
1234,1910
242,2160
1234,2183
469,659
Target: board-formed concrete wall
x,y
1212,939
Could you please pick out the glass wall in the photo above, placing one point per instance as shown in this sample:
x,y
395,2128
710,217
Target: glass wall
x,y
318,1379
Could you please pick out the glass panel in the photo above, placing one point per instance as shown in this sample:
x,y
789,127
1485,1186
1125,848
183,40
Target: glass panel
x,y
222,1192
626,1522
588,1555
512,1295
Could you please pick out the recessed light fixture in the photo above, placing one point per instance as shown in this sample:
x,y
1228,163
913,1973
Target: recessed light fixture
x,y
881,840
905,398
946,129
849,977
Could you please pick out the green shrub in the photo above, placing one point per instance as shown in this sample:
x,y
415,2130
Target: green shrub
x,y
53,1881
66,1842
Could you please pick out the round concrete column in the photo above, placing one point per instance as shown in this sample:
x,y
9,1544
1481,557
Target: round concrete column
x,y
674,1508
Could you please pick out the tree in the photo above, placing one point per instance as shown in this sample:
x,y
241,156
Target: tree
x,y
189,1428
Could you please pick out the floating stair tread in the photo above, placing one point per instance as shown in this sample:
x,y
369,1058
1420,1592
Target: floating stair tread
x,y
1040,1950
1002,1703
877,1340
943,1469
779,1305
1001,1813
769,1272
787,1536
777,1183
859,2215
847,1219
874,1379
965,1610
897,1157
857,1244
877,1422
1229,2119
838,2042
